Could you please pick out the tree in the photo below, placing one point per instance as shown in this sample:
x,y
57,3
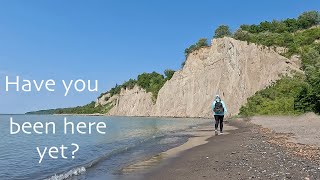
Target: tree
x,y
292,24
222,31
189,50
129,84
241,35
265,26
169,73
311,59
202,42
308,19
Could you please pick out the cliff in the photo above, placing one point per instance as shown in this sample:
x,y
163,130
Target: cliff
x,y
233,69
133,102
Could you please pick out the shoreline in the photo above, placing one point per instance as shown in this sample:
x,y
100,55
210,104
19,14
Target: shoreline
x,y
197,138
246,153
74,114
174,117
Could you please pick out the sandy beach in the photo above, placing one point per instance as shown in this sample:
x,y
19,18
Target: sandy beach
x,y
197,137
252,149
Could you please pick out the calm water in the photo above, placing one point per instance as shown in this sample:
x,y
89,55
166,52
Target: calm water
x,y
127,140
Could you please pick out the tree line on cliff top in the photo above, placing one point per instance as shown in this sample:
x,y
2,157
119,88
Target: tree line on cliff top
x,y
289,95
273,33
151,82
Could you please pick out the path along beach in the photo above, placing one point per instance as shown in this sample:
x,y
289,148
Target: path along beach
x,y
254,148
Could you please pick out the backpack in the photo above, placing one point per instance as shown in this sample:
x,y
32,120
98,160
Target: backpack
x,y
218,108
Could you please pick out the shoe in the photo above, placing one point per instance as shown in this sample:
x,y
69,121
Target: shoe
x,y
216,132
221,132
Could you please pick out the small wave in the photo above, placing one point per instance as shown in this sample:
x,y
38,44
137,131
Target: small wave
x,y
72,172
81,170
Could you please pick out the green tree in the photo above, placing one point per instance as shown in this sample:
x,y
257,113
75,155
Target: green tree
x,y
293,95
202,42
292,24
308,19
129,84
241,35
189,50
168,73
304,102
222,31
311,60
277,99
151,82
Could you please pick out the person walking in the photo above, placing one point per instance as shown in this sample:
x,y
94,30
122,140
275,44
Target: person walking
x,y
219,110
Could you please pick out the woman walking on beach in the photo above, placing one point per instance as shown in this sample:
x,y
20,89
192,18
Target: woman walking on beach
x,y
219,109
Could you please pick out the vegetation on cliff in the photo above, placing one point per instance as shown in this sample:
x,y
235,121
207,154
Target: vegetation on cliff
x,y
222,31
277,99
202,42
289,95
86,109
300,36
151,82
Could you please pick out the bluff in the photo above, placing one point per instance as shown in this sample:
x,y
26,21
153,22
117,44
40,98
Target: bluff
x,y
233,69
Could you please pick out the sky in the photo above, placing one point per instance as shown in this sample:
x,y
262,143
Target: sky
x,y
110,41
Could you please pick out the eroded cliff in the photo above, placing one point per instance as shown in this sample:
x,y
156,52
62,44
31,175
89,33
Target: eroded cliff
x,y
233,69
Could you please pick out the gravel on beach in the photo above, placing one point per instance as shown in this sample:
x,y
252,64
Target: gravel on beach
x,y
305,129
249,152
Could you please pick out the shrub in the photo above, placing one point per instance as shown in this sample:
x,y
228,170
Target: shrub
x,y
304,21
222,31
308,19
277,99
202,42
169,73
306,96
151,82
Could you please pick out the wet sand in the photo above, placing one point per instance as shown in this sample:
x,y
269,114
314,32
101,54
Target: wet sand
x,y
197,137
248,152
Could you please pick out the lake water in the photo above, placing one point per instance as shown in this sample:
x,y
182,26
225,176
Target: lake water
x,y
127,140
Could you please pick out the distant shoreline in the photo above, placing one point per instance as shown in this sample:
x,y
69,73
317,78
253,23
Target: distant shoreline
x,y
121,116
12,114
76,114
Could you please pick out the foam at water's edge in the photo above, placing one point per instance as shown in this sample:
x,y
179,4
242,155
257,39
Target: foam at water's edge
x,y
72,172
85,167
82,169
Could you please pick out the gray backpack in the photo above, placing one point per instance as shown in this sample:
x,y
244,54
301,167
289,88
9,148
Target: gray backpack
x,y
218,108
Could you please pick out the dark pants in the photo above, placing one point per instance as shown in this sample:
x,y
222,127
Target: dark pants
x,y
219,120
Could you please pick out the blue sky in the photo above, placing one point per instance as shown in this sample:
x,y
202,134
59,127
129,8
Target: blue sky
x,y
110,41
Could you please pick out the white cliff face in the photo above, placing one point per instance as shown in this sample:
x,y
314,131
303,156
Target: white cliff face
x,y
103,100
233,69
133,102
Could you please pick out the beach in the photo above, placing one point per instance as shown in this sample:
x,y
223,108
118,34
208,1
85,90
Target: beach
x,y
252,150
100,156
262,147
